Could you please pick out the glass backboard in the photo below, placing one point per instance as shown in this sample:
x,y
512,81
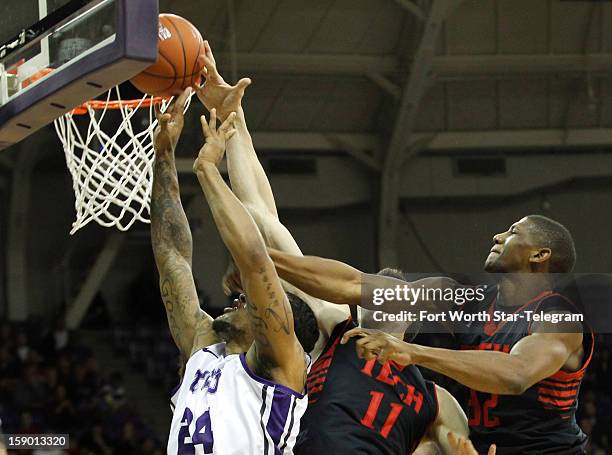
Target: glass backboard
x,y
57,54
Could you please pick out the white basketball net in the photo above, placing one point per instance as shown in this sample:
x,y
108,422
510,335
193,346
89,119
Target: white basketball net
x,y
112,172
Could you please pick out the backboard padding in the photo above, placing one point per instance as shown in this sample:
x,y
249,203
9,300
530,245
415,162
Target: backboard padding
x,y
133,48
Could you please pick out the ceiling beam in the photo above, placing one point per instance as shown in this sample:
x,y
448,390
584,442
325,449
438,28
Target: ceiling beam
x,y
300,141
452,66
414,88
332,64
436,142
412,7
386,85
442,66
519,140
361,146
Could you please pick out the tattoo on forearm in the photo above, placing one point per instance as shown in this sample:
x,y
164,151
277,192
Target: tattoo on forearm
x,y
273,316
169,225
172,247
177,303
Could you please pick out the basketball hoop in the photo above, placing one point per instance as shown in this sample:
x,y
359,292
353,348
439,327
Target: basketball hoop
x,y
112,174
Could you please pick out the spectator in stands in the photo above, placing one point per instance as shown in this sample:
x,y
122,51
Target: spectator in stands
x,y
95,441
82,385
59,396
26,424
50,377
61,411
9,369
6,335
22,348
114,391
127,443
64,369
92,378
61,335
148,447
30,392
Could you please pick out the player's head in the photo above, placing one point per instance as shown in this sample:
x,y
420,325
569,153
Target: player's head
x,y
233,324
533,244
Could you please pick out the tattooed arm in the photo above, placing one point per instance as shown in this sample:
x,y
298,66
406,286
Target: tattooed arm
x,y
251,186
276,352
191,328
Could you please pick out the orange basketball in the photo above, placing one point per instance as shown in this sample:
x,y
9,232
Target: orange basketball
x,y
178,64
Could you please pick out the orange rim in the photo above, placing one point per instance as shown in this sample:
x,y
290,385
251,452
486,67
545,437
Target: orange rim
x,y
100,105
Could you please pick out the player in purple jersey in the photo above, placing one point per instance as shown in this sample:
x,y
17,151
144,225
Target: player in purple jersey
x,y
260,342
524,377
354,405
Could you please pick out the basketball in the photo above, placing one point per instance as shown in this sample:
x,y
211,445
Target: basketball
x,y
178,64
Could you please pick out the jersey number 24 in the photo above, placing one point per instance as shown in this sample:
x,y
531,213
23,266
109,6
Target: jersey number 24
x,y
201,436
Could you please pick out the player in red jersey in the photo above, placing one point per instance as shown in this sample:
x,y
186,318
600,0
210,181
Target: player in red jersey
x,y
524,377
354,405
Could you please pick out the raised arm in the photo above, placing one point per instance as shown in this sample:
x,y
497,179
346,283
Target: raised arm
x,y
171,239
250,184
248,179
276,351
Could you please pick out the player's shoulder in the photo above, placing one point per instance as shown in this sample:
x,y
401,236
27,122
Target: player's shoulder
x,y
216,350
207,353
556,301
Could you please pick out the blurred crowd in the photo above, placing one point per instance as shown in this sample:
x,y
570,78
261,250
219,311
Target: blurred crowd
x,y
49,383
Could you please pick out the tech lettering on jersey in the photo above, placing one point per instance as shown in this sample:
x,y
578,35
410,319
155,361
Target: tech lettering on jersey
x,y
407,393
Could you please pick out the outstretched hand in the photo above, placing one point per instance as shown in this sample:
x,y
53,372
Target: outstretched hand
x,y
374,344
217,94
214,148
170,123
462,446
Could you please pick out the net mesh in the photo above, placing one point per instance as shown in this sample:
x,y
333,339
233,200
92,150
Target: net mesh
x,y
111,166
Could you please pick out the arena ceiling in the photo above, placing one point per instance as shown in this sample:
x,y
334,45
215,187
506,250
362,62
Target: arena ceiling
x,y
342,66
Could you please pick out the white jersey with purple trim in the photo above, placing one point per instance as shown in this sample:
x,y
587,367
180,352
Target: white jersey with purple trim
x,y
221,407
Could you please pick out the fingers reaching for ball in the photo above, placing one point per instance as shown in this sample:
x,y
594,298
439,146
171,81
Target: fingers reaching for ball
x,y
216,138
170,122
180,103
227,128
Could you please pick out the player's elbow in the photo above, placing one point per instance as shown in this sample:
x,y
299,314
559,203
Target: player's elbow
x,y
253,256
350,293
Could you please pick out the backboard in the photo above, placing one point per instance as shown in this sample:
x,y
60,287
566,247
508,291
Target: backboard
x,y
57,54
